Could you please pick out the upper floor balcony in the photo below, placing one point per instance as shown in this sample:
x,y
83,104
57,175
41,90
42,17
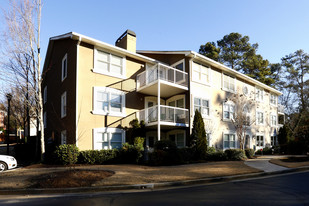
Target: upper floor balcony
x,y
172,81
281,109
169,116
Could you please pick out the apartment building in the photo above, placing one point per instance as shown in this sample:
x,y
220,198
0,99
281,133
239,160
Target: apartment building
x,y
92,90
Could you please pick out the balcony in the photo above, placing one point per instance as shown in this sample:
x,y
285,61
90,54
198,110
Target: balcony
x,y
172,81
169,116
281,109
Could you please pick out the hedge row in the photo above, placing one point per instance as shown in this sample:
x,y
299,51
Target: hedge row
x,y
164,153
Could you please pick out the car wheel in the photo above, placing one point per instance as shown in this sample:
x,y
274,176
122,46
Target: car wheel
x,y
3,166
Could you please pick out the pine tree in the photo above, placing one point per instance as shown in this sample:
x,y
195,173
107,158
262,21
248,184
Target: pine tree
x,y
198,136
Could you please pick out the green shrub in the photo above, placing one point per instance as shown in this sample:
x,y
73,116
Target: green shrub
x,y
235,154
264,151
132,153
98,156
165,145
213,155
249,153
66,154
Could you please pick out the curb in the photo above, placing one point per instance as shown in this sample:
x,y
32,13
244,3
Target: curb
x,y
151,186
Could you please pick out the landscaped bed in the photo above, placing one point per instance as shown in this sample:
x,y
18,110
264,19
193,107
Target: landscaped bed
x,y
292,162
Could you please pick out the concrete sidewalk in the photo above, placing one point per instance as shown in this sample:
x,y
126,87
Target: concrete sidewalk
x,y
262,163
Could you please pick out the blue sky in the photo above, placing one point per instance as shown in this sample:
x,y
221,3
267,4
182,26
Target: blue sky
x,y
280,27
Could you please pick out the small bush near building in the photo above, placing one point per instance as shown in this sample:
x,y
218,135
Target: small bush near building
x,y
166,153
249,153
213,155
235,154
98,156
132,153
264,151
66,154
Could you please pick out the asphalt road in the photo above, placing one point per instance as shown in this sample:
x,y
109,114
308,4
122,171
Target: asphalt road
x,y
288,189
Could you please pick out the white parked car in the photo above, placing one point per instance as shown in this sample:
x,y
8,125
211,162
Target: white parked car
x,y
7,162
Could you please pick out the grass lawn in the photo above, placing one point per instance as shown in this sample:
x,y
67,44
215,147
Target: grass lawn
x,y
292,162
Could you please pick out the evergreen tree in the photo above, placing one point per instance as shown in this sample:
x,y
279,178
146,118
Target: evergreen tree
x,y
198,136
210,50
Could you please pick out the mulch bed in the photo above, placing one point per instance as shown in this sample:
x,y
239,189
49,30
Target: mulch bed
x,y
70,178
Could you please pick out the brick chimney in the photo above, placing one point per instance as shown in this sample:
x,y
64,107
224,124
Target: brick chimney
x,y
127,41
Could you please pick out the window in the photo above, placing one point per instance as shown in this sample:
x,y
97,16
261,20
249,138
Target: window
x,y
64,104
180,76
259,118
45,95
229,141
45,119
200,73
245,90
273,140
64,137
64,70
246,111
260,141
109,101
109,64
208,139
259,94
108,138
273,120
178,138
228,110
273,99
229,83
202,105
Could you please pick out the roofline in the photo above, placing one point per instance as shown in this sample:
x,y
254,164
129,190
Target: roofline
x,y
212,62
86,39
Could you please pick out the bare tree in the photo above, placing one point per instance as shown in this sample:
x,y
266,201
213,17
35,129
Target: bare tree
x,y
242,117
22,62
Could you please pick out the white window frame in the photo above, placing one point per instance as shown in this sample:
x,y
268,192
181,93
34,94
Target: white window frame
x,y
96,69
45,95
63,137
257,117
230,104
273,140
258,146
229,133
259,94
273,120
97,137
231,81
176,132
273,99
64,104
109,91
64,70
198,68
204,115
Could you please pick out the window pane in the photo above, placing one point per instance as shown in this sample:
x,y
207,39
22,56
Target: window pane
x,y
197,108
226,137
226,115
116,60
116,69
180,103
116,137
102,56
197,101
205,103
115,98
206,111
171,104
226,144
116,145
102,96
102,66
179,67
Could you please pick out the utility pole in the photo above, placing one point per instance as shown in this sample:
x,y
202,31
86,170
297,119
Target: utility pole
x,y
9,97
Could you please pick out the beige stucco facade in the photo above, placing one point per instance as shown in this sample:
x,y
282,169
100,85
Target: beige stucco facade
x,y
144,77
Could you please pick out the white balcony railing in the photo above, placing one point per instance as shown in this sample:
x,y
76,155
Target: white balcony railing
x,y
281,108
163,72
167,114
